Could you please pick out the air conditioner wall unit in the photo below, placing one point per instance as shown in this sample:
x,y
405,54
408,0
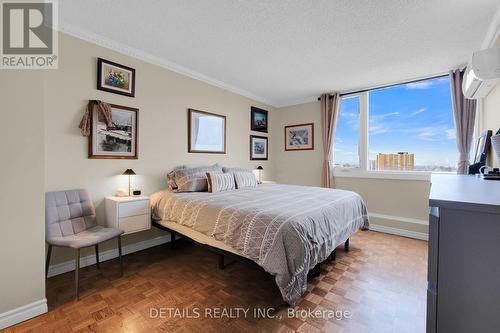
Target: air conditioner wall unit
x,y
482,73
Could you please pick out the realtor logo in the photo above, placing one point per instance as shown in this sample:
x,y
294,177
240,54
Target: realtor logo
x,y
29,38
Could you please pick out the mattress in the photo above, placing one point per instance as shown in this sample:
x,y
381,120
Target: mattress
x,y
285,229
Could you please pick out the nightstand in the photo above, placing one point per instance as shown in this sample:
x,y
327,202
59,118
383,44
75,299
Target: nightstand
x,y
130,214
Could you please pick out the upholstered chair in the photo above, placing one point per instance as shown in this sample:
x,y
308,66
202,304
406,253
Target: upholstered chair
x,y
70,222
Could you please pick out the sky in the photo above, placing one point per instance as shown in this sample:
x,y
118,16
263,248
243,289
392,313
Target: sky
x,y
413,117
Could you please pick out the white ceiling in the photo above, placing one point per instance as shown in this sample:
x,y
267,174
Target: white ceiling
x,y
288,51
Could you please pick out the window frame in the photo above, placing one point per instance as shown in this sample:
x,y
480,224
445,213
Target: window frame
x,y
363,170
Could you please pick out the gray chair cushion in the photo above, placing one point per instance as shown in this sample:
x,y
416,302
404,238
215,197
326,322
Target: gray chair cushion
x,y
70,215
89,237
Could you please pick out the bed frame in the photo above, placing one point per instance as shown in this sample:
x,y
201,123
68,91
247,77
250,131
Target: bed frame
x,y
222,254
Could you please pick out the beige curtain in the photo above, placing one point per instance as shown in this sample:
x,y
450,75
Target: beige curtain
x,y
464,114
329,116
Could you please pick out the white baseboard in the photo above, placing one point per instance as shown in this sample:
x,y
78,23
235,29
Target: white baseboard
x,y
399,218
399,232
23,313
69,266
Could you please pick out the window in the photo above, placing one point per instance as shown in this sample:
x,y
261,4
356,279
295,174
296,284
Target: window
x,y
347,137
406,127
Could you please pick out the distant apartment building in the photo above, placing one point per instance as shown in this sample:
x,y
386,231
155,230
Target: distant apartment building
x,y
399,161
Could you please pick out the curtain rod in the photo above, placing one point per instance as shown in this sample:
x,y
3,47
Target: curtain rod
x,y
390,85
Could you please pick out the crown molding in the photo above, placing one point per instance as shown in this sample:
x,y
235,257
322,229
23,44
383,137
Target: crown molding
x,y
493,31
296,102
105,42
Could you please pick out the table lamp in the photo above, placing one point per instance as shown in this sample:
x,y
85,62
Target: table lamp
x,y
129,172
259,170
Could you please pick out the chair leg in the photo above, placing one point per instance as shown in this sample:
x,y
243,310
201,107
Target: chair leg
x,y
47,260
120,254
346,245
77,272
97,255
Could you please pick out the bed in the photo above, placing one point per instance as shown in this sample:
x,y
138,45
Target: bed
x,y
285,229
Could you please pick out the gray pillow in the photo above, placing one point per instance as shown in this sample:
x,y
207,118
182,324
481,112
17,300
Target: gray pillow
x,y
218,182
233,170
193,179
245,179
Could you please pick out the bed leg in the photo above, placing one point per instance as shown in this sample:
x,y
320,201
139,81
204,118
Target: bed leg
x,y
172,240
346,245
221,261
315,272
333,255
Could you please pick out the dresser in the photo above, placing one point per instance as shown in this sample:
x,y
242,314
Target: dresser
x,y
130,214
463,292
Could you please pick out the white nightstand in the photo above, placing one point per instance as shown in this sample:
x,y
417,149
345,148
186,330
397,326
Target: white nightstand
x,y
268,182
130,214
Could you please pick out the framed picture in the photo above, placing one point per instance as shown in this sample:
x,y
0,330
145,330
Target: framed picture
x,y
115,78
258,147
118,141
258,119
299,137
206,132
483,147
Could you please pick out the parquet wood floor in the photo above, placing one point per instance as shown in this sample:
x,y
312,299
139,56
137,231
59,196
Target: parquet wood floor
x,y
381,281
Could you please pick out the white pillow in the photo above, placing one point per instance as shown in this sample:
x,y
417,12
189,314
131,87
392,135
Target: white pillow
x,y
218,182
245,179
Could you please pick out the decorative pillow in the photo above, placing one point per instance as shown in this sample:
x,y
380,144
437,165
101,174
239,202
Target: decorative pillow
x,y
218,182
233,170
245,179
194,179
171,177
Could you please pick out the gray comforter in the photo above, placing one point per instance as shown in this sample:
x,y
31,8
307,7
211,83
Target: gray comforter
x,y
285,229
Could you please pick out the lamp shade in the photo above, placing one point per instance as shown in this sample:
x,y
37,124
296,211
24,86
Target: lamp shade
x,y
129,172
260,168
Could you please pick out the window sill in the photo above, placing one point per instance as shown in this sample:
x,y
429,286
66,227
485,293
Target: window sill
x,y
396,175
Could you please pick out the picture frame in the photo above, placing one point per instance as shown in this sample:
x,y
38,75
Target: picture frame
x,y
115,78
483,147
258,119
299,137
206,132
118,142
259,148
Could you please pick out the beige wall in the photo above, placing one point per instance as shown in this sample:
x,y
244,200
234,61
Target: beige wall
x,y
296,167
162,97
491,113
22,183
398,199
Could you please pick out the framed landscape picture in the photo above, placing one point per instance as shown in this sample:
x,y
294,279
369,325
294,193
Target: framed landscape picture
x,y
258,119
119,141
115,78
258,147
206,132
299,137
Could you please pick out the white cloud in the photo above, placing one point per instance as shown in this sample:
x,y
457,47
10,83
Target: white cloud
x,y
425,84
433,133
419,111
378,124
384,115
419,85
451,134
378,129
